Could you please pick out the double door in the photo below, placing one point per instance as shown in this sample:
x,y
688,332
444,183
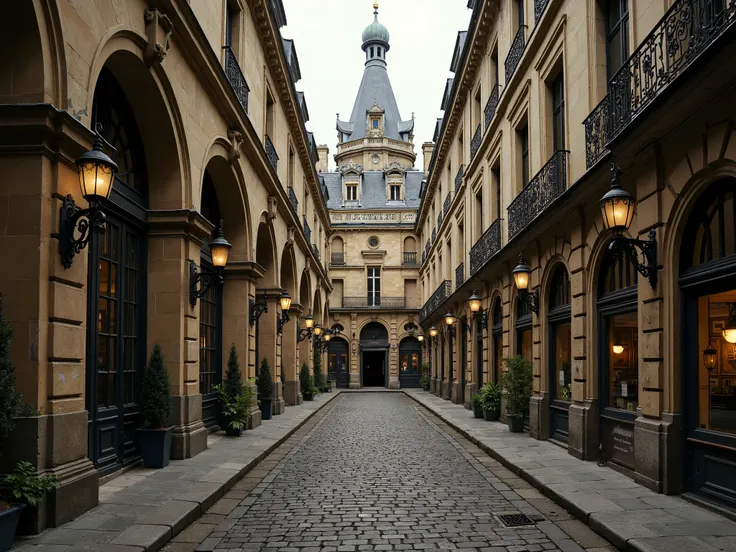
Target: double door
x,y
338,367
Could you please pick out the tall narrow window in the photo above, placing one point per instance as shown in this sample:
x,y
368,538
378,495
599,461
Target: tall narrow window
x,y
478,215
522,137
270,107
374,286
290,176
229,13
396,192
496,171
617,35
519,12
494,66
351,192
558,112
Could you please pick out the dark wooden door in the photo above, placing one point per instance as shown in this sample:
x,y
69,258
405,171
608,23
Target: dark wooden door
x,y
210,351
410,363
337,363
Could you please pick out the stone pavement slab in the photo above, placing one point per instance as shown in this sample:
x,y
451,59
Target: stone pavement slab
x,y
144,509
625,513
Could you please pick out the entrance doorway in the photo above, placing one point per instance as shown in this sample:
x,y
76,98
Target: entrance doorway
x,y
338,364
374,368
410,361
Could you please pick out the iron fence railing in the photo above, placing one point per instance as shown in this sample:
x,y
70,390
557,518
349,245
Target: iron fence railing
x,y
486,247
459,275
235,77
307,230
475,142
337,258
539,7
293,201
459,177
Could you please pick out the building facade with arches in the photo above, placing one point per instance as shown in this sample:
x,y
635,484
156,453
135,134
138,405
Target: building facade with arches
x,y
631,368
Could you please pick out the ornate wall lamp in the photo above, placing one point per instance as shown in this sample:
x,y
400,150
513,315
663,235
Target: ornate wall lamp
x,y
480,316
450,320
522,275
220,251
257,309
285,301
433,332
96,177
618,206
729,330
305,333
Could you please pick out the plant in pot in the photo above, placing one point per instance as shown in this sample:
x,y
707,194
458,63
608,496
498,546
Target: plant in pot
x,y
155,436
317,377
477,402
235,408
517,381
305,382
265,389
491,401
424,380
231,386
24,488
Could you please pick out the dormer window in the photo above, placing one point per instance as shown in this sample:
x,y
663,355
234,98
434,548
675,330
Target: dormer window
x,y
374,123
395,192
395,183
351,192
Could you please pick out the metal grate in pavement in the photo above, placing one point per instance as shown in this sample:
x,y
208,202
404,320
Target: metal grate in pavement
x,y
515,520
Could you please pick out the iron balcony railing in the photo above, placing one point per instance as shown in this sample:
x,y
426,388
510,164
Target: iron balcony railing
x,y
273,157
337,258
307,230
410,258
547,185
438,297
315,250
492,105
685,32
459,177
486,247
539,7
447,203
374,302
434,234
440,216
475,142
235,76
459,275
426,249
515,52
293,201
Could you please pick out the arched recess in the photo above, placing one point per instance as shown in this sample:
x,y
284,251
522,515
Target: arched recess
x,y
374,346
289,359
267,290
410,363
338,362
23,73
410,244
266,255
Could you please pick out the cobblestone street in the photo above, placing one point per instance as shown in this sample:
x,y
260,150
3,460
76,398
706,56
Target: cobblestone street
x,y
378,473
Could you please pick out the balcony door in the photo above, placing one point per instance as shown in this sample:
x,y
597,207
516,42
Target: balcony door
x,y
374,286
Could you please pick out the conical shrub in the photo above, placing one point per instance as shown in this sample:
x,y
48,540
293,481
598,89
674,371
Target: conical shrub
x,y
156,391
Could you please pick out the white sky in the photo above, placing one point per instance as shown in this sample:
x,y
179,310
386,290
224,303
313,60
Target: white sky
x,y
327,35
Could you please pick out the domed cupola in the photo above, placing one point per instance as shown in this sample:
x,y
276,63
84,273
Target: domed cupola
x,y
376,40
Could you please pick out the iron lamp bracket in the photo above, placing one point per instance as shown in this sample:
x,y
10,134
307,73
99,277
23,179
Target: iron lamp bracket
x,y
73,220
281,321
303,333
256,310
636,249
533,299
201,282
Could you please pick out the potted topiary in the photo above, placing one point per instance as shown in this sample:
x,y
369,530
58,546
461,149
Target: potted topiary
x,y
236,408
517,382
477,402
491,401
265,389
24,488
155,437
305,382
424,382
231,386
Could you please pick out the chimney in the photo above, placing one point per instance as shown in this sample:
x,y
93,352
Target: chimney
x,y
427,150
323,163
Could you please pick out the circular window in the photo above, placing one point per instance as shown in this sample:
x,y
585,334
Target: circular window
x,y
373,241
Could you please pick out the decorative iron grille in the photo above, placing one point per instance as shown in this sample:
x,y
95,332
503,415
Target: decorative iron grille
x,y
486,247
337,258
492,105
687,29
459,177
273,157
440,216
294,201
374,302
307,229
447,203
515,52
434,234
547,185
539,7
315,250
410,258
475,142
235,77
459,275
426,249
438,297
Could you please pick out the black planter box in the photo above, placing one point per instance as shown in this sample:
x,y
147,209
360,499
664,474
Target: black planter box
x,y
232,432
477,411
490,415
155,446
8,524
265,407
516,424
308,396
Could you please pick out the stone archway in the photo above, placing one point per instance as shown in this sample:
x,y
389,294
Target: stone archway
x,y
289,354
374,349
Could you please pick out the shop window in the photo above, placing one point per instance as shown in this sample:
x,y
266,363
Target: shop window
x,y
497,332
560,357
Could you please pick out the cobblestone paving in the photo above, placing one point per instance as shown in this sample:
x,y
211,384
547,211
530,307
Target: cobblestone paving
x,y
376,473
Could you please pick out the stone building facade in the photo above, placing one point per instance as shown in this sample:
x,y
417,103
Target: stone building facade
x,y
633,354
202,133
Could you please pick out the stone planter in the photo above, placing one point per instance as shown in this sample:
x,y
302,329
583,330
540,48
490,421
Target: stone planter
x,y
308,396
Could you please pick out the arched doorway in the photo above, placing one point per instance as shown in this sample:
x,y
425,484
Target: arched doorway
x,y
618,354
373,355
410,363
560,354
708,363
338,362
116,296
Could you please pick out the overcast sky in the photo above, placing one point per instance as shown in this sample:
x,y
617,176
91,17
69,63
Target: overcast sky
x,y
327,34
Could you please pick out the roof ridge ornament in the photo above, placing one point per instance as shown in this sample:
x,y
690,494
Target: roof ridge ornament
x,y
351,167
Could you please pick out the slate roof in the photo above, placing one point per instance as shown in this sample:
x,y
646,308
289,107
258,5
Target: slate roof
x,y
373,191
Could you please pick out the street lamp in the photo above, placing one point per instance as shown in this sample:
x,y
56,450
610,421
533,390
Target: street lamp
x,y
618,207
522,276
285,301
96,177
433,332
317,330
306,333
420,337
220,251
480,316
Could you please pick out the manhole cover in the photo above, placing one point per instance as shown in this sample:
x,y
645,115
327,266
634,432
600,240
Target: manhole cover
x,y
515,520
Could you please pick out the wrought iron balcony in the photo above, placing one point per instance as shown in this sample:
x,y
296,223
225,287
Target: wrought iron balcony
x,y
337,258
539,7
374,302
438,297
273,157
459,177
685,32
426,249
515,52
307,230
440,216
235,77
315,250
293,201
447,203
475,142
486,247
547,185
492,105
459,275
434,234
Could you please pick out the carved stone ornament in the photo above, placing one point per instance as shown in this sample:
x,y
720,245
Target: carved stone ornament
x,y
351,167
158,30
236,139
394,166
290,231
272,208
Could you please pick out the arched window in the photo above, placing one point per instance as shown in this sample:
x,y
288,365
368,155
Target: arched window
x,y
560,353
337,255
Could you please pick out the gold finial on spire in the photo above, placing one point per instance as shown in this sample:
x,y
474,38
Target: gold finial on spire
x,y
375,6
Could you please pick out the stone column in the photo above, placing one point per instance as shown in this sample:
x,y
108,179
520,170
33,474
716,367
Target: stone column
x,y
446,381
269,344
290,357
539,403
392,362
354,353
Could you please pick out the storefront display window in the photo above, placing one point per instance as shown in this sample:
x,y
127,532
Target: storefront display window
x,y
623,362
